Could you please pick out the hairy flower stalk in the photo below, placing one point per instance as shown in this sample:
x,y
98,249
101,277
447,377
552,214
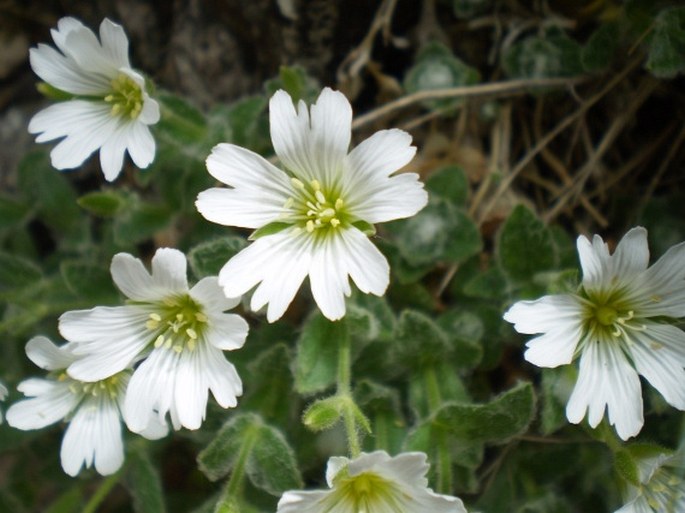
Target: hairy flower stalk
x,y
619,324
311,219
109,108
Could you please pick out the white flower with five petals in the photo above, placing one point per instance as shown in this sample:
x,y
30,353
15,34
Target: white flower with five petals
x,y
373,483
110,109
180,334
313,218
617,323
93,410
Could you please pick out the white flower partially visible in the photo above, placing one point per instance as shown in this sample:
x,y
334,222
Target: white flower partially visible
x,y
661,488
313,218
110,109
180,331
3,395
618,323
93,410
373,483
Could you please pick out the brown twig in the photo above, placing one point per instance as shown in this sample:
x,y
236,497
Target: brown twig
x,y
506,88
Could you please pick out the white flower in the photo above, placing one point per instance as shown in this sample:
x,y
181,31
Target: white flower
x,y
93,410
110,109
661,488
617,323
313,218
181,332
3,395
373,483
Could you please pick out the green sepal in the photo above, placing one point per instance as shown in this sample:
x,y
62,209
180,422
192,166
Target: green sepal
x,y
626,467
269,229
52,92
324,413
367,228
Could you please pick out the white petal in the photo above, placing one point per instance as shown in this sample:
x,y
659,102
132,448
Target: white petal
x,y
151,390
140,144
211,296
280,262
594,258
328,278
47,355
659,355
150,113
93,437
631,256
223,379
85,125
662,286
114,43
227,331
83,47
331,120
236,207
367,266
607,380
554,348
112,152
131,277
384,200
562,311
54,403
191,388
169,270
108,339
259,189
302,502
64,26
380,155
315,151
63,73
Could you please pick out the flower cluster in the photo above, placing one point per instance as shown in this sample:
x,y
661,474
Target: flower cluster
x,y
161,353
618,323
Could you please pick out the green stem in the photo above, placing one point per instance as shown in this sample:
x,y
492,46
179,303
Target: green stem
x,y
444,463
101,493
344,389
234,487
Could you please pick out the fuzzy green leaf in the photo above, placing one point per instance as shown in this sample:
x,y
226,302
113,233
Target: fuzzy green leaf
x,y
666,56
316,361
506,416
208,257
525,245
102,203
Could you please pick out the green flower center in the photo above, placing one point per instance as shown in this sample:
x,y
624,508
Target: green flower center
x,y
178,325
315,209
368,492
608,315
109,387
126,97
664,491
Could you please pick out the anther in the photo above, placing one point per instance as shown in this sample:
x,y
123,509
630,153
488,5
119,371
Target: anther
x,y
329,212
338,204
310,226
200,317
297,183
319,196
335,222
159,342
191,333
316,185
